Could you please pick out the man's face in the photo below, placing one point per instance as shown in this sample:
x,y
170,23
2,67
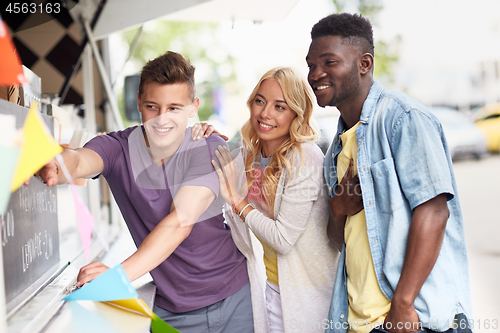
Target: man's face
x,y
333,70
165,110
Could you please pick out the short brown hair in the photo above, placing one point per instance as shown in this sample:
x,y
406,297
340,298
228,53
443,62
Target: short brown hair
x,y
168,68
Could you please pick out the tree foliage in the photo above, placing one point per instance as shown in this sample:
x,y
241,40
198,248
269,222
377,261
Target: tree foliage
x,y
196,41
386,54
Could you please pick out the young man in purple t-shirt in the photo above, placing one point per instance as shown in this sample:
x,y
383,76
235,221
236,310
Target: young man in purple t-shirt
x,y
164,183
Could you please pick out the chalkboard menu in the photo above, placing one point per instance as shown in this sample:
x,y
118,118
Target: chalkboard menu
x,y
29,227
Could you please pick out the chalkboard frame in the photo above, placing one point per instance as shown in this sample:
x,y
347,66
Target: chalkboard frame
x,y
29,230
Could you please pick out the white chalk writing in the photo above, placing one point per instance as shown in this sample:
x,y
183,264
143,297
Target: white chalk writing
x,y
38,246
7,221
43,200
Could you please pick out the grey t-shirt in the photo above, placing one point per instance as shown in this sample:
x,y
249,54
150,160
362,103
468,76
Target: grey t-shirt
x,y
206,267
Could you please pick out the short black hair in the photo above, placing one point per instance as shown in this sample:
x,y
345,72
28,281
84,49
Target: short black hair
x,y
353,28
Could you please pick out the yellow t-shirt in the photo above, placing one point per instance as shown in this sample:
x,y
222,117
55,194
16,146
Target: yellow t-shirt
x,y
368,306
256,197
271,262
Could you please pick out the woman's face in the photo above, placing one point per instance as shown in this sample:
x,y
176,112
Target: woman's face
x,y
270,116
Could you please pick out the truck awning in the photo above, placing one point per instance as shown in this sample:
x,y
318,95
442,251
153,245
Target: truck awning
x,y
120,15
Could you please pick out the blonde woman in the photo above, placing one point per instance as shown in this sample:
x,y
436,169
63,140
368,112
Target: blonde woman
x,y
275,190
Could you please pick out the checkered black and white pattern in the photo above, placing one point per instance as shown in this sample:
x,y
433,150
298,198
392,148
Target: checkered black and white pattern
x,y
49,45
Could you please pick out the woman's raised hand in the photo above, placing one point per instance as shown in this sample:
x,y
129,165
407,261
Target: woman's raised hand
x,y
228,176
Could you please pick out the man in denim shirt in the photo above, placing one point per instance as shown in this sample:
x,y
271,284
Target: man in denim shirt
x,y
395,213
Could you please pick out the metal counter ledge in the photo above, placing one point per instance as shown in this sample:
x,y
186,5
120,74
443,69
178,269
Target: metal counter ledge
x,y
85,316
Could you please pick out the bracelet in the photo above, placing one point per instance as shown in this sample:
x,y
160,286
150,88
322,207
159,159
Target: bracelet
x,y
241,212
237,203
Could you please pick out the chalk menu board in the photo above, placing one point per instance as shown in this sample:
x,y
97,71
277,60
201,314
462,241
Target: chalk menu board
x,y
29,228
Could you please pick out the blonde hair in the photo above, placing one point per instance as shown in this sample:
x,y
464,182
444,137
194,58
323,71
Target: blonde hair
x,y
300,98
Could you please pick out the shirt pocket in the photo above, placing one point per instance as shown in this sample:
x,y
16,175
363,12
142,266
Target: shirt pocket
x,y
388,194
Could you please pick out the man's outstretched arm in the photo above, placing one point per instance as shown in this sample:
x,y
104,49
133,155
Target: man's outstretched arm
x,y
190,203
425,238
81,163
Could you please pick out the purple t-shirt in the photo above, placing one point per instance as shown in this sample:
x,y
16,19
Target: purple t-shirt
x,y
206,267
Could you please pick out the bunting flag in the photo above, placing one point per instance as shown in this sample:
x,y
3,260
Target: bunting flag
x,y
138,306
135,305
113,288
111,285
83,215
10,156
11,70
38,149
85,221
159,326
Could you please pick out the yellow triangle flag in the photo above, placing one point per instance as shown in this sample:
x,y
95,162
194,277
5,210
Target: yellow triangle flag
x,y
135,305
39,147
138,306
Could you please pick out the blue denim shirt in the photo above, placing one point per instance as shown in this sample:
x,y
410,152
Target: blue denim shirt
x,y
403,161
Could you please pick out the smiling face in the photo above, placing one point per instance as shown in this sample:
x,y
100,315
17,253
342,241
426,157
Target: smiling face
x,y
333,71
270,116
165,110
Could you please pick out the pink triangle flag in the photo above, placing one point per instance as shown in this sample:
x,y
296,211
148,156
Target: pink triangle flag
x,y
85,221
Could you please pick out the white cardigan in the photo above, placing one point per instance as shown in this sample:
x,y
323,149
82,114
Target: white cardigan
x,y
307,261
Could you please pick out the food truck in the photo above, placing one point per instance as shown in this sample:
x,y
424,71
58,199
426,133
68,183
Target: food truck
x,y
64,49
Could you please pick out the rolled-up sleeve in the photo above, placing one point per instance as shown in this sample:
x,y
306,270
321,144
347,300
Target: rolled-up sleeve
x,y
420,158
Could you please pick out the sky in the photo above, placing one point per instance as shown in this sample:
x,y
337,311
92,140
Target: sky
x,y
447,50
444,31
444,46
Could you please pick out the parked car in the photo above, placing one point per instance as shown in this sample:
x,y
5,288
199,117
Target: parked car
x,y
488,120
463,136
327,129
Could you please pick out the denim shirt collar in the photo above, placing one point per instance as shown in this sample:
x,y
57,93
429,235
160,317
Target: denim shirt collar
x,y
368,106
371,102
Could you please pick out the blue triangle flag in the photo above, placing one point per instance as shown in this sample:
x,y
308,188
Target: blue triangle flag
x,y
111,285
